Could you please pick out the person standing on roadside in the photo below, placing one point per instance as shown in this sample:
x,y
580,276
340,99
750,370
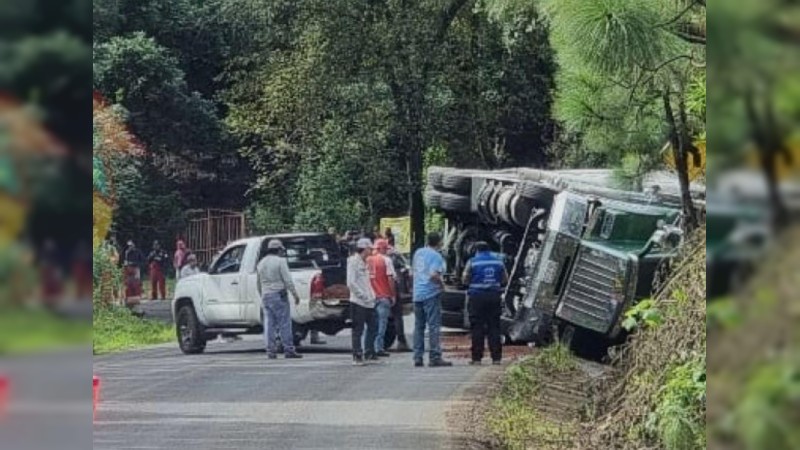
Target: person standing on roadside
x,y
382,279
190,268
275,282
389,236
485,274
133,271
362,303
428,266
156,260
179,259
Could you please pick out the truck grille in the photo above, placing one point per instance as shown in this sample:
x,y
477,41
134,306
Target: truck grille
x,y
594,291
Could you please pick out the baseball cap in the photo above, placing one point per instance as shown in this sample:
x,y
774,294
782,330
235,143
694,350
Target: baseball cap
x,y
275,243
363,243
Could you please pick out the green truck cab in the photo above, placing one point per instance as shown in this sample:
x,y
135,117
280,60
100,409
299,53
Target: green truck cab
x,y
597,258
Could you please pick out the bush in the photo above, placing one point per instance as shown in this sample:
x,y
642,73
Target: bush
x,y
106,276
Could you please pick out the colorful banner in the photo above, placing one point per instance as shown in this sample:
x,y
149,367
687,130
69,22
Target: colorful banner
x,y
401,228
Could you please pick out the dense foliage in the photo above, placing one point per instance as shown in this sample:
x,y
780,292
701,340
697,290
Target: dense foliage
x,y
321,111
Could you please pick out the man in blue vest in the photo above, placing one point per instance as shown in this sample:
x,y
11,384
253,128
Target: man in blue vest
x,y
485,274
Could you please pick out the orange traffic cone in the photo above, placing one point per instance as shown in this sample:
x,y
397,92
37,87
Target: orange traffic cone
x,y
5,385
95,394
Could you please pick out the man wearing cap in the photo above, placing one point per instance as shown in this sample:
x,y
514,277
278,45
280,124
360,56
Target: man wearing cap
x,y
485,274
274,280
428,266
382,279
362,302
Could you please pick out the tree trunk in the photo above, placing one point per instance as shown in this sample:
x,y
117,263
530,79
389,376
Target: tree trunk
x,y
678,137
770,146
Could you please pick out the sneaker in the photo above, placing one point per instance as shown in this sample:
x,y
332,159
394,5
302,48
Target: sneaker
x,y
358,360
383,354
371,359
475,363
293,356
419,363
272,356
439,363
497,362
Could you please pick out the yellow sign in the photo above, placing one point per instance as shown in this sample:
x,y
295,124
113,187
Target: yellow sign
x,y
783,169
695,172
401,229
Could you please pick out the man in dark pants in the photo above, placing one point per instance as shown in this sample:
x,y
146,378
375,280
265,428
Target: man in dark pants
x,y
362,303
485,274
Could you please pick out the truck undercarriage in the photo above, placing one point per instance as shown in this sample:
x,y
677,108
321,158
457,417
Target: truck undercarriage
x,y
578,251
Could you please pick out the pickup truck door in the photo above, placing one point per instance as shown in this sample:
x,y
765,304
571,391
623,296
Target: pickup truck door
x,y
223,305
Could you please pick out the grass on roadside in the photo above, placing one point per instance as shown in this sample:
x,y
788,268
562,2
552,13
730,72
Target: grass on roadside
x,y
116,329
25,330
514,419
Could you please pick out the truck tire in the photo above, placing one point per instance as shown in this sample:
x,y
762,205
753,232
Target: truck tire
x,y
189,330
455,202
454,300
433,199
460,183
390,336
435,177
298,334
541,194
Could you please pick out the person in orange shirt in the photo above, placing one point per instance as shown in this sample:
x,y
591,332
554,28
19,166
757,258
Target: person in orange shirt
x,y
382,278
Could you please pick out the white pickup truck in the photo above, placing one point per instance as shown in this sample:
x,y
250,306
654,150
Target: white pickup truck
x,y
225,300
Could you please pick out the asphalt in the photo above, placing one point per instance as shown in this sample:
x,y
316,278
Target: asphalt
x,y
48,402
233,397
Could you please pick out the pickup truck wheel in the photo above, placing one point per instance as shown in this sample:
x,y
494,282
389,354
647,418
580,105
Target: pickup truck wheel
x,y
390,336
190,331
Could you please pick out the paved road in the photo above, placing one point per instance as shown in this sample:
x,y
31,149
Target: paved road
x,y
232,397
49,401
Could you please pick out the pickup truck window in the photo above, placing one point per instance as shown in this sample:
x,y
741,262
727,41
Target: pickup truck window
x,y
228,262
304,252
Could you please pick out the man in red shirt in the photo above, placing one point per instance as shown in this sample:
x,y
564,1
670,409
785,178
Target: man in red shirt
x,y
382,278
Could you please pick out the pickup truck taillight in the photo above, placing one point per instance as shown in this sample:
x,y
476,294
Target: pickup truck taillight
x,y
317,286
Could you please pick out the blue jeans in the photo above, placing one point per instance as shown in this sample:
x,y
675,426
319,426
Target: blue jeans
x,y
428,312
383,308
277,321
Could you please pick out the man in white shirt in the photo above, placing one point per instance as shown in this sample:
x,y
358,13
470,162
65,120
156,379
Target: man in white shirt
x,y
190,268
362,303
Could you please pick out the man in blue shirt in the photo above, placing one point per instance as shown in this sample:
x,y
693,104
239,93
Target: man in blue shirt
x,y
428,267
485,274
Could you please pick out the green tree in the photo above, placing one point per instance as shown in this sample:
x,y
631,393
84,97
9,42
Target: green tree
x,y
626,68
384,82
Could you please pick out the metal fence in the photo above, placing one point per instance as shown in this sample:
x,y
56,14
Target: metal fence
x,y
210,230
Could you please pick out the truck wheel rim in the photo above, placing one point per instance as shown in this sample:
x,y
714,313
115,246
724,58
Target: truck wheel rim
x,y
186,333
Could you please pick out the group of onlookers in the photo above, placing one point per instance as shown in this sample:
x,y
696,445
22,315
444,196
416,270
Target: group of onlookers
x,y
183,263
371,280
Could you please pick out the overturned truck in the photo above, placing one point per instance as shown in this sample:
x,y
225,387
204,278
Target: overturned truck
x,y
578,252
